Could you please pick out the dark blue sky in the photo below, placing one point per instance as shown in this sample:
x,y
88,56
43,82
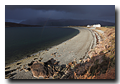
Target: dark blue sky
x,y
18,13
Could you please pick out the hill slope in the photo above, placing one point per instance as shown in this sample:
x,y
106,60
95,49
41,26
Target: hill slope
x,y
10,24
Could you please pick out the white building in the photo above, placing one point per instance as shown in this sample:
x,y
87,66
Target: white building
x,y
97,25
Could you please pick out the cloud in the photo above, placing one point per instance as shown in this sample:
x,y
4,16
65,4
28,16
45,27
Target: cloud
x,y
66,8
20,14
24,12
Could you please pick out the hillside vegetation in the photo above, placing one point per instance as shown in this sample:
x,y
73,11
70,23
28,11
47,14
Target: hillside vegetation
x,y
102,62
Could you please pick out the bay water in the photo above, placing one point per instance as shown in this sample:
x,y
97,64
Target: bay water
x,y
23,41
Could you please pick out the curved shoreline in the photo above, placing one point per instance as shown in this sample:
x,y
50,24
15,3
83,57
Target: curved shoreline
x,y
75,48
49,44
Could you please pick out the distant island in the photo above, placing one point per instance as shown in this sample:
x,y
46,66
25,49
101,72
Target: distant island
x,y
10,24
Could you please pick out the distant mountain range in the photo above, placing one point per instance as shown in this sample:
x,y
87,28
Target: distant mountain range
x,y
65,22
10,24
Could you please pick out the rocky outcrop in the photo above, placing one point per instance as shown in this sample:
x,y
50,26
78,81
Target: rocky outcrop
x,y
38,69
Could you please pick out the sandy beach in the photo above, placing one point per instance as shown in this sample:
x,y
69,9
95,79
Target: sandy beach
x,y
75,48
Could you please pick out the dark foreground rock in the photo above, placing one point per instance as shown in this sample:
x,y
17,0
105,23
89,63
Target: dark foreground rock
x,y
48,70
38,69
